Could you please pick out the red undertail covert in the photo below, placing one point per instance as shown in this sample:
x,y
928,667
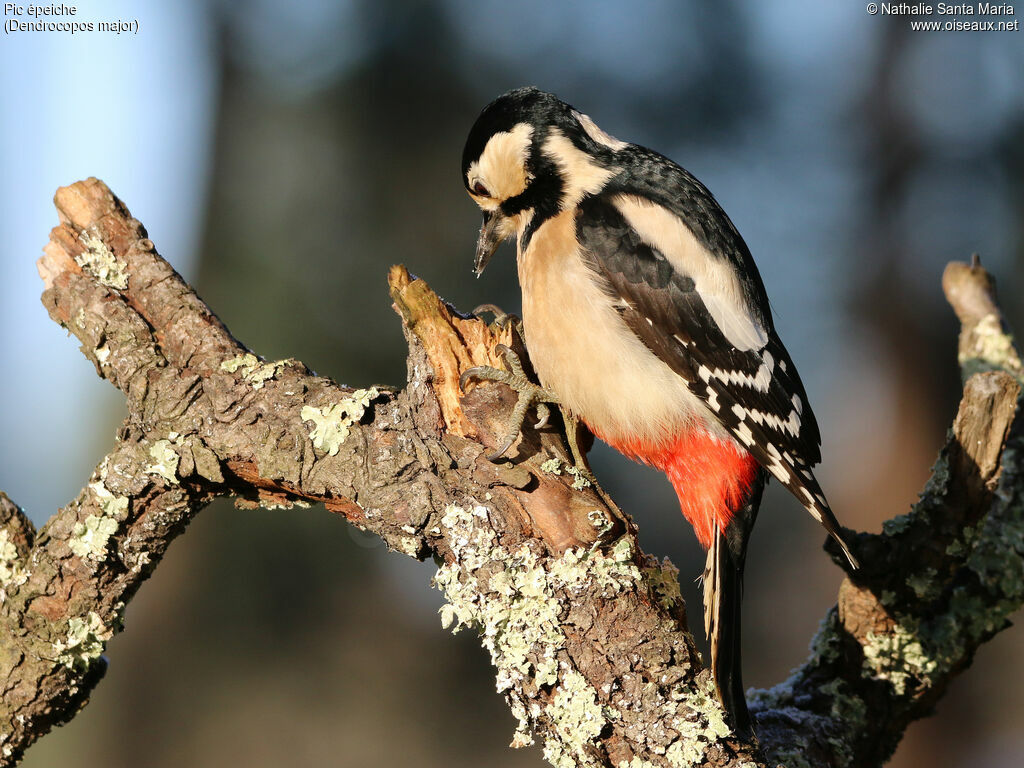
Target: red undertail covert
x,y
711,475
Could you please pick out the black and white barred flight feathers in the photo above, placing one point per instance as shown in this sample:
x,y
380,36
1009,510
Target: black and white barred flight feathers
x,y
702,310
755,393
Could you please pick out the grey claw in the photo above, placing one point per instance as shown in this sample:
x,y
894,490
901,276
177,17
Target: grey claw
x,y
501,451
494,309
470,373
528,394
543,413
501,317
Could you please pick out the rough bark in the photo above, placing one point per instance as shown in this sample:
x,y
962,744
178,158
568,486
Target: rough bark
x,y
588,635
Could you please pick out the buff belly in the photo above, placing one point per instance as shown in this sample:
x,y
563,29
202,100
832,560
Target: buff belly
x,y
604,374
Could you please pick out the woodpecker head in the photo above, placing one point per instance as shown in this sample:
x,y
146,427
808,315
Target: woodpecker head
x,y
528,157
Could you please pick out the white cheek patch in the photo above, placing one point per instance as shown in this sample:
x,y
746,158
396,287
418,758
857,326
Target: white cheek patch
x,y
486,203
501,167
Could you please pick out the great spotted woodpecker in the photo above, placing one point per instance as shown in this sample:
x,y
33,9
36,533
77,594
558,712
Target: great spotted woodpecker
x,y
645,317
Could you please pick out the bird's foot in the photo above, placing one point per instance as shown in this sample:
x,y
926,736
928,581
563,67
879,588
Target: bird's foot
x,y
501,317
579,459
532,395
529,395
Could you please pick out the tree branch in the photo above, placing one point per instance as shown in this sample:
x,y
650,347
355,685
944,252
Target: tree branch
x,y
587,634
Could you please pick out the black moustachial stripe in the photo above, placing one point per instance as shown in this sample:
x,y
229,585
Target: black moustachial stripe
x,y
543,194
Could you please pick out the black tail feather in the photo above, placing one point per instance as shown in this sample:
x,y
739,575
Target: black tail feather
x,y
723,593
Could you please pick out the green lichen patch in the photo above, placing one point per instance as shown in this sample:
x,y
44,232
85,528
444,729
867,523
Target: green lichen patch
x,y
89,539
552,466
997,547
523,736
246,362
636,762
580,480
99,261
957,548
602,522
511,598
846,708
253,370
992,350
611,573
512,607
11,572
85,641
921,651
409,545
576,721
506,596
825,645
112,505
899,657
332,423
694,721
664,582
699,723
898,524
925,583
165,459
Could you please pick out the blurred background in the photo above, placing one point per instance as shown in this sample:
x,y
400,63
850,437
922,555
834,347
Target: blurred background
x,y
283,155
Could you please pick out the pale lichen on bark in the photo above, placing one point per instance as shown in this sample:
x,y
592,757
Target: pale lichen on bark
x,y
587,635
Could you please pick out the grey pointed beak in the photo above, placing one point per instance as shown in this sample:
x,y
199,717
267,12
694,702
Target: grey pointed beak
x,y
489,240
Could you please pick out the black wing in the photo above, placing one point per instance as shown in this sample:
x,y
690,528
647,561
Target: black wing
x,y
755,393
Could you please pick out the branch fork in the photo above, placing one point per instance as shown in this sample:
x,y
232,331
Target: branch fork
x,y
588,635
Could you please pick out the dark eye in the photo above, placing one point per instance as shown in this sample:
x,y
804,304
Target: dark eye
x,y
480,189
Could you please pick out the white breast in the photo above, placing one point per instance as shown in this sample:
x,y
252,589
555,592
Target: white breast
x,y
584,352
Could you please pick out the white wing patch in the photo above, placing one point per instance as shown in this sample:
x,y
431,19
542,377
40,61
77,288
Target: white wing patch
x,y
775,465
713,403
714,278
743,433
593,131
580,174
760,381
791,425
